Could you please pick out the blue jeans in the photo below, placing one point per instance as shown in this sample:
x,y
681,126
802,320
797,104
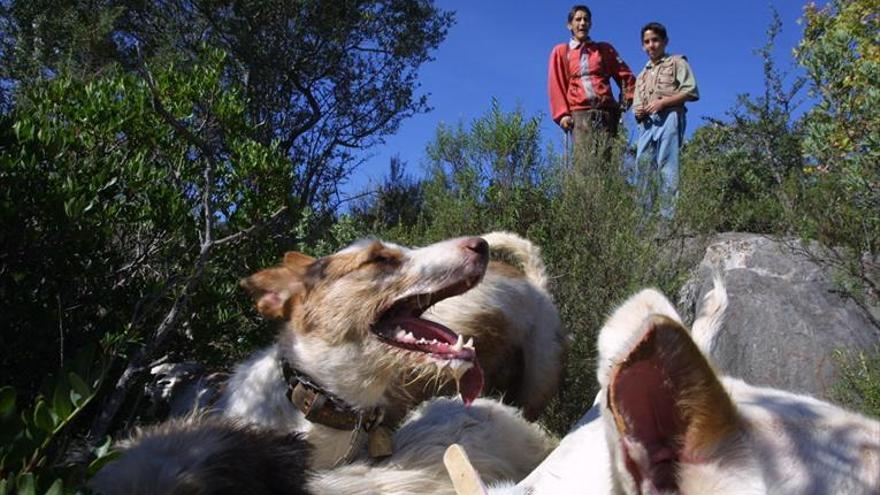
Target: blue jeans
x,y
660,138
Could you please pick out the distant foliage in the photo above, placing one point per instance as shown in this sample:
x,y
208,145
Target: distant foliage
x,y
859,385
489,175
841,206
397,201
740,173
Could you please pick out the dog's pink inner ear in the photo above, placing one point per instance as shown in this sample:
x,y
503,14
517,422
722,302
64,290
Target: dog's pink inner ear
x,y
666,399
272,288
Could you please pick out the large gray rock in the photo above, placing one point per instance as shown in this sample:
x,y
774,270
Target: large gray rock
x,y
786,315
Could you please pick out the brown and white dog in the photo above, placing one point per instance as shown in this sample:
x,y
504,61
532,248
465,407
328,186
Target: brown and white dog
x,y
515,327
362,322
670,424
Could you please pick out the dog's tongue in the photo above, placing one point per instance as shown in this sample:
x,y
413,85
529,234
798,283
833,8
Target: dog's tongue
x,y
471,384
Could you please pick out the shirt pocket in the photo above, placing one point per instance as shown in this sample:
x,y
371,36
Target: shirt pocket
x,y
666,77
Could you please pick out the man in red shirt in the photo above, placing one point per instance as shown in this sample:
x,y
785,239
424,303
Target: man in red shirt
x,y
579,83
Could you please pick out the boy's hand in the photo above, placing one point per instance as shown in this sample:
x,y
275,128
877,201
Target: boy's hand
x,y
640,113
566,123
655,106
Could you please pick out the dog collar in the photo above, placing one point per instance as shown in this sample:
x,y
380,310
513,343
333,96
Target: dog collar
x,y
324,408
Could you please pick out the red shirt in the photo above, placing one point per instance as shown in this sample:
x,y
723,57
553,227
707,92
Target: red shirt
x,y
579,77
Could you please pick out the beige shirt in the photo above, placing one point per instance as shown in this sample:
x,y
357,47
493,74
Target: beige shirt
x,y
671,75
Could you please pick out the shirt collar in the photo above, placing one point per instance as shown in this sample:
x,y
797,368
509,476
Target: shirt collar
x,y
574,44
650,65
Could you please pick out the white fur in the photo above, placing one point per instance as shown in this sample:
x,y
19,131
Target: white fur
x,y
256,393
711,316
580,463
525,252
501,444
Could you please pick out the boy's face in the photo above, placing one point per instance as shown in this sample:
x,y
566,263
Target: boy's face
x,y
653,44
580,25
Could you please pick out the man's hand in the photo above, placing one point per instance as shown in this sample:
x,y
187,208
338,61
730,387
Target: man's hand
x,y
566,123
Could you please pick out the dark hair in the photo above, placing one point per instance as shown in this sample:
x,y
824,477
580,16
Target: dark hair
x,y
659,30
577,8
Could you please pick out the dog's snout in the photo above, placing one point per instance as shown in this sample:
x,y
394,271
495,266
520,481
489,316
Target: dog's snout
x,y
478,245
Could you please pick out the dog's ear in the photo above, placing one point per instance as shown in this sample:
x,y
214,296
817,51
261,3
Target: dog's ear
x,y
668,405
622,329
272,288
297,259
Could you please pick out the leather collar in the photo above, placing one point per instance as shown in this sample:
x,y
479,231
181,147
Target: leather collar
x,y
324,408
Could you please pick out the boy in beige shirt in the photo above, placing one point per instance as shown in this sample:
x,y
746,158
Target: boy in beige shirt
x,y
662,89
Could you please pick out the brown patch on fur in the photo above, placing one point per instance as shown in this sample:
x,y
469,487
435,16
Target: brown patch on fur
x,y
301,290
272,288
371,278
701,402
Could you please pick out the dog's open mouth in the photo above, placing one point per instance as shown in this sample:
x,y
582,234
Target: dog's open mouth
x,y
402,327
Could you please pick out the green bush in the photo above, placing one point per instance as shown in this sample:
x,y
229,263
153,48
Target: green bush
x,y
841,198
858,387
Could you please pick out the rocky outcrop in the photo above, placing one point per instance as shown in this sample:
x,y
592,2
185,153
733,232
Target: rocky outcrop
x,y
786,316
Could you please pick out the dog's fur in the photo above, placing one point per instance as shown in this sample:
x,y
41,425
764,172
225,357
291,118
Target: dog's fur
x,y
211,455
206,455
329,306
672,425
511,316
502,445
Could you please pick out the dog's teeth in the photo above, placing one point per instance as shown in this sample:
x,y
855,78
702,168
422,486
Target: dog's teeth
x,y
470,343
458,344
400,335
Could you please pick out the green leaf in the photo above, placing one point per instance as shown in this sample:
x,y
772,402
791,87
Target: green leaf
x,y
7,400
57,488
102,461
43,418
61,401
104,448
26,485
80,386
75,398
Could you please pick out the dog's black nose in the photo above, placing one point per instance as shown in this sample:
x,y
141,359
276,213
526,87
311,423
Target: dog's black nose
x,y
478,245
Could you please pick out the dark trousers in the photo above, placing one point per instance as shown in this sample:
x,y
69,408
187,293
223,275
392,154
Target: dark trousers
x,y
594,132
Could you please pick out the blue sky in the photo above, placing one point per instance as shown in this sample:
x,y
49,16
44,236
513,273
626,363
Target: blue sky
x,y
500,49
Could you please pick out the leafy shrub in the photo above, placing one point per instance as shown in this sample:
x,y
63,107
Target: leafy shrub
x,y
858,387
33,439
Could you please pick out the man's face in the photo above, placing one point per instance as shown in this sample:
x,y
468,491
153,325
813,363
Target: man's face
x,y
580,25
653,44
